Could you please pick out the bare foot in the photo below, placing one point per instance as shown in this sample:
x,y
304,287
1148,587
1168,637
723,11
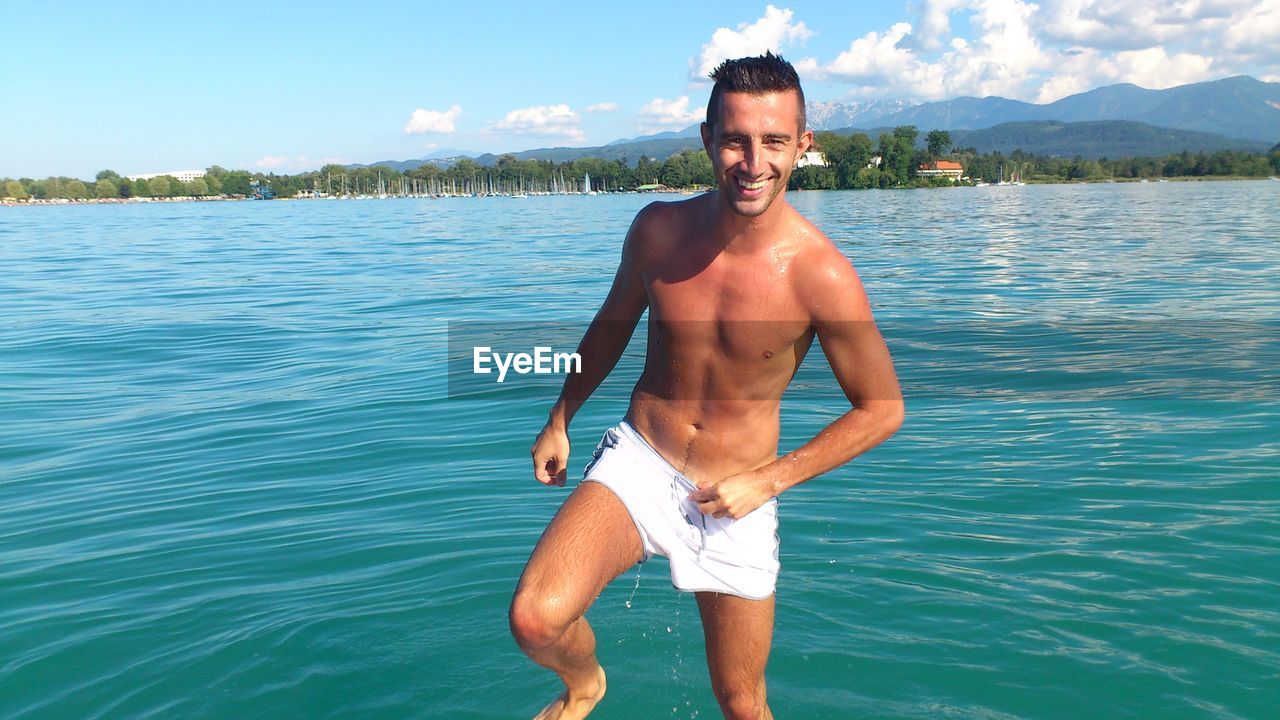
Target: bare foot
x,y
574,706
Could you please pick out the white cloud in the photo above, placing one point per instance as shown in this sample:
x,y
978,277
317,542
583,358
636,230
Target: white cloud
x,y
1003,58
771,32
1153,68
1006,57
1137,24
935,22
877,58
1033,50
1253,33
547,120
603,107
808,69
1154,43
432,121
1043,50
271,162
660,114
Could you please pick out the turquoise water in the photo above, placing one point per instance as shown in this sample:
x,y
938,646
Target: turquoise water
x,y
233,482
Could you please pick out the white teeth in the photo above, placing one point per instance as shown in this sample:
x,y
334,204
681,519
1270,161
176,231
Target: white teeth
x,y
751,185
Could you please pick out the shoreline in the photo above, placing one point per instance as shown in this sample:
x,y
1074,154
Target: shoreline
x,y
116,201
7,202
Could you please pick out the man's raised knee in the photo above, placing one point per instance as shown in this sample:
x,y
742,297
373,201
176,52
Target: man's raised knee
x,y
532,624
746,704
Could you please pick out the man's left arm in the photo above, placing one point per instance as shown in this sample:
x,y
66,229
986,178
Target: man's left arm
x,y
860,360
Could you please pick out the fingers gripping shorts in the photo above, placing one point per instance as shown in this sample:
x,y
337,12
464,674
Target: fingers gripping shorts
x,y
738,557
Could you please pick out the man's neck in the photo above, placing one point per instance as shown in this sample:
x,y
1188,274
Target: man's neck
x,y
743,233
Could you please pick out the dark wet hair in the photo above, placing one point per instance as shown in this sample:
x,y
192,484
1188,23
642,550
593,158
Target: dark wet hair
x,y
755,75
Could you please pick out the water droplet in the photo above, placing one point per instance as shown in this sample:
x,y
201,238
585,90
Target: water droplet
x,y
634,589
668,628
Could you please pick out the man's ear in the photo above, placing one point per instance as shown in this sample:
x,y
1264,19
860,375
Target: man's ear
x,y
806,141
706,137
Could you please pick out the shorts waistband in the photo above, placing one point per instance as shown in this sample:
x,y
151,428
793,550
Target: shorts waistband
x,y
634,435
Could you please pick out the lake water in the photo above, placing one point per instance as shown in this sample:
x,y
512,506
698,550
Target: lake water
x,y
234,483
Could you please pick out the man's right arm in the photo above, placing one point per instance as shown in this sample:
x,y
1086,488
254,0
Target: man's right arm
x,y
601,347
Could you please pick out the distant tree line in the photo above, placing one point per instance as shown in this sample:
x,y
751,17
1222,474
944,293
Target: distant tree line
x,y
683,170
217,181
852,162
508,175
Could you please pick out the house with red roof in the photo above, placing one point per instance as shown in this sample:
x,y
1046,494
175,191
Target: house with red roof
x,y
941,168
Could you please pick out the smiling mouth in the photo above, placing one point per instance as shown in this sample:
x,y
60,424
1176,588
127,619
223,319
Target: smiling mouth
x,y
751,185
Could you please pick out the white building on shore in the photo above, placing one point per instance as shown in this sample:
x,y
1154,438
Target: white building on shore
x,y
813,157
953,171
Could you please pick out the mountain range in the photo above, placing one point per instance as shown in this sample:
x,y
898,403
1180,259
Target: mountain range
x,y
834,115
1235,113
1237,107
1096,139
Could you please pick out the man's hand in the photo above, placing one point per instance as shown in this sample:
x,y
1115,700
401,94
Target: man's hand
x,y
551,456
735,496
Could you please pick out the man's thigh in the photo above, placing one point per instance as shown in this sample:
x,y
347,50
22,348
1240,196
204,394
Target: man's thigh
x,y
589,542
739,635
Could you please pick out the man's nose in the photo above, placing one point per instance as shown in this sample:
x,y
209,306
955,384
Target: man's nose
x,y
752,159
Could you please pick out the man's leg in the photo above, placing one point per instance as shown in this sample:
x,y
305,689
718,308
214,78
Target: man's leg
x,y
738,633
590,542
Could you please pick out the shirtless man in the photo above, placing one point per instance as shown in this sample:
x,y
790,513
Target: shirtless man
x,y
737,285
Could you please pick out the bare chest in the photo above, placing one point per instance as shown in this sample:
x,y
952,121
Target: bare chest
x,y
724,290
738,308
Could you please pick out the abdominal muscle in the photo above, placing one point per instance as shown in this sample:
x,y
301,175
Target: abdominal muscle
x,y
707,440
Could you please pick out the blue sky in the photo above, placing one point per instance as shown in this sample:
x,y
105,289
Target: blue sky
x,y
151,87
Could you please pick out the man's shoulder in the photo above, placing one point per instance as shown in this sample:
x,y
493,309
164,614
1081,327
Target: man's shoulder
x,y
663,219
816,251
823,273
670,211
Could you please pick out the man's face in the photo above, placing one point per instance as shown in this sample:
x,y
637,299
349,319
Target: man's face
x,y
754,146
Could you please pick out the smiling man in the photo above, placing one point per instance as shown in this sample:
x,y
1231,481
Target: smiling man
x,y
737,285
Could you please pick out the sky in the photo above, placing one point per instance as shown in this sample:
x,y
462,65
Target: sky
x,y
146,87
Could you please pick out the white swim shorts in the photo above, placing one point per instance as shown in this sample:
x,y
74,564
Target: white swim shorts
x,y
737,557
